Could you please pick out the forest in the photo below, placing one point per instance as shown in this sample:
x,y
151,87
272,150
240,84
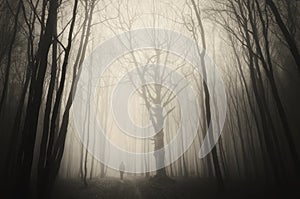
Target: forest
x,y
144,99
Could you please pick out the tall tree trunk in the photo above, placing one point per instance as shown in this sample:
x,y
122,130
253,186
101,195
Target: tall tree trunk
x,y
287,35
202,54
9,56
25,157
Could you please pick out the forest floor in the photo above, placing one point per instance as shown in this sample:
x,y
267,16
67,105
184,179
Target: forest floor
x,y
187,188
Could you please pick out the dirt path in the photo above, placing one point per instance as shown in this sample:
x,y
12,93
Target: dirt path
x,y
98,189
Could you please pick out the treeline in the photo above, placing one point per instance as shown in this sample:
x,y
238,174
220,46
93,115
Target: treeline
x,y
44,43
35,61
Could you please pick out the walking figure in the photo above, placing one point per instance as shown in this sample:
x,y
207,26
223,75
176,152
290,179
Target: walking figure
x,y
122,169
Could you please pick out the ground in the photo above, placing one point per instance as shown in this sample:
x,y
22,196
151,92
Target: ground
x,y
187,188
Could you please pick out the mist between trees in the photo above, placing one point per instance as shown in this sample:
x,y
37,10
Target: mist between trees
x,y
43,47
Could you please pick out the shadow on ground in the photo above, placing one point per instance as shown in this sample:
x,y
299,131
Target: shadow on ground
x,y
179,188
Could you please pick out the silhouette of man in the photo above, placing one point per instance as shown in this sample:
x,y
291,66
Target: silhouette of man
x,y
122,169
